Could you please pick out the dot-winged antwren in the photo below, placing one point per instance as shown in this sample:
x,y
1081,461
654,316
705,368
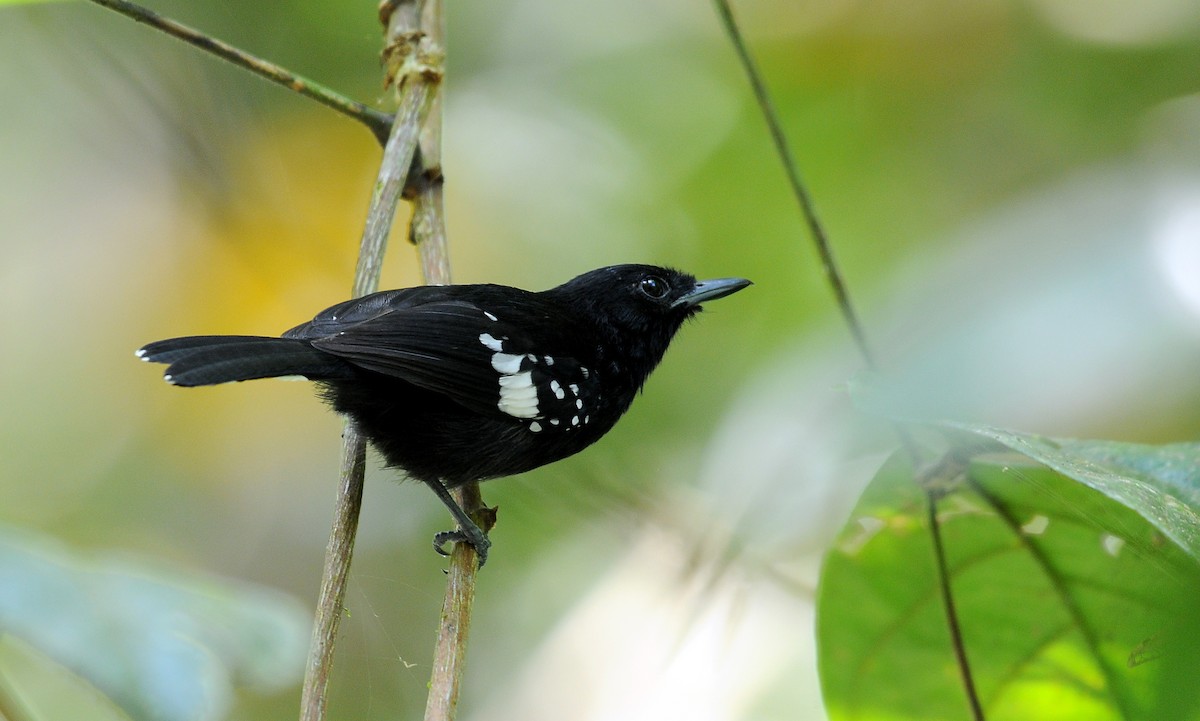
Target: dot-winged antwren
x,y
461,383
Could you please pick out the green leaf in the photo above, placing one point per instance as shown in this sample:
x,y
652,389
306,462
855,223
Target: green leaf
x,y
164,645
1161,483
1072,605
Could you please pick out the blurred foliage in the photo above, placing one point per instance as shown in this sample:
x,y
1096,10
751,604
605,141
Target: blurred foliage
x,y
164,645
1010,185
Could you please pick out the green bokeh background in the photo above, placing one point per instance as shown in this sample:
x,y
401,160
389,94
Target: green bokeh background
x,y
1012,188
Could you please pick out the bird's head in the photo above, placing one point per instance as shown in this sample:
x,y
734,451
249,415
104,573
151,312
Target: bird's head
x,y
644,298
640,307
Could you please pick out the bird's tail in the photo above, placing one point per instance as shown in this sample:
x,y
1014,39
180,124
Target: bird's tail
x,y
205,360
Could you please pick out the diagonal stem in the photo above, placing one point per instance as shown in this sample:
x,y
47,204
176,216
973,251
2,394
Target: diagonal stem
x,y
837,284
377,122
807,208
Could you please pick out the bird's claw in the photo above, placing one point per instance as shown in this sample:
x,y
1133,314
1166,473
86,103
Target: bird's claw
x,y
479,542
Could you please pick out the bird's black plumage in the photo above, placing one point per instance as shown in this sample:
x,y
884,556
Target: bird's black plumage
x,y
464,383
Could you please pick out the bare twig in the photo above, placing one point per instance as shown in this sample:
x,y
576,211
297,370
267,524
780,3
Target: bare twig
x,y
450,651
377,122
333,579
415,90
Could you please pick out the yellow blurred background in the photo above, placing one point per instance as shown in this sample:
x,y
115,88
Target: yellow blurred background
x,y
1011,186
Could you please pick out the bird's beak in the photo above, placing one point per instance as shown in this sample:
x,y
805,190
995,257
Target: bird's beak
x,y
710,290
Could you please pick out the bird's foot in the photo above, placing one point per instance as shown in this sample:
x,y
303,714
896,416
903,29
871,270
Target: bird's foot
x,y
472,535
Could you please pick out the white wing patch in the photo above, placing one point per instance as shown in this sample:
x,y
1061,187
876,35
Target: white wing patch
x,y
519,391
507,364
490,342
518,395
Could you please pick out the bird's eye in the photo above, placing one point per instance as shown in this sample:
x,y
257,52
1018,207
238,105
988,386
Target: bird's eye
x,y
654,287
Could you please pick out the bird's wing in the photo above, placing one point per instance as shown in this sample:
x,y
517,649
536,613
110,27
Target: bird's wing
x,y
456,348
366,308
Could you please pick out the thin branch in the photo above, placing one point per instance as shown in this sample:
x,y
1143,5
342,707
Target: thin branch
x,y
832,275
377,122
454,625
807,208
837,284
338,553
398,156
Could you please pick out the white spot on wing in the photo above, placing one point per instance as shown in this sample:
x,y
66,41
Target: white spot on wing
x,y
490,342
507,363
558,391
167,377
490,316
518,396
575,421
519,385
554,421
535,426
549,361
579,403
574,389
291,378
141,353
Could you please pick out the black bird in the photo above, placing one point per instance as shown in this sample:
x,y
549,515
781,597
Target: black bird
x,y
462,383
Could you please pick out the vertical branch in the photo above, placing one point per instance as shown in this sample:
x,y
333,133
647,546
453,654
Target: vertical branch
x,y
404,50
338,553
427,232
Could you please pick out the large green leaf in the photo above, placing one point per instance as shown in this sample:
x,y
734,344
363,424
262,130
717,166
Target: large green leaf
x,y
1072,605
164,645
1160,483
